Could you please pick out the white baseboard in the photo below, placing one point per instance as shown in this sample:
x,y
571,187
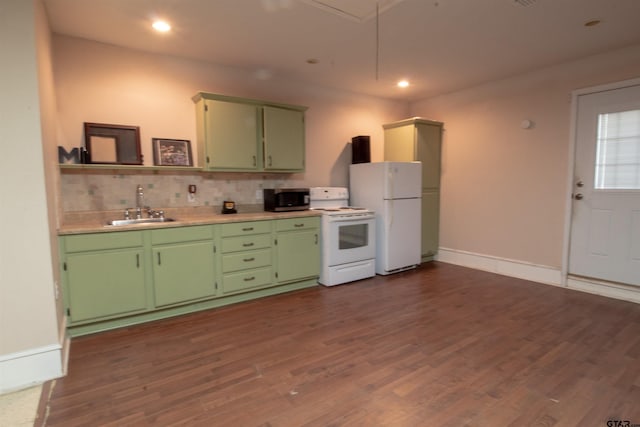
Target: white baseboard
x,y
28,368
611,290
537,273
503,266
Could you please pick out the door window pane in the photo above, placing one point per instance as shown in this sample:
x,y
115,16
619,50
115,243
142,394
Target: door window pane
x,y
618,151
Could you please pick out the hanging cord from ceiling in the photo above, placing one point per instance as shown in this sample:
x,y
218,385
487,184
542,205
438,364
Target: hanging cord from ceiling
x,y
377,39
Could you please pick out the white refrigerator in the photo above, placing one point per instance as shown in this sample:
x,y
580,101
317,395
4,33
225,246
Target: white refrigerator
x,y
393,191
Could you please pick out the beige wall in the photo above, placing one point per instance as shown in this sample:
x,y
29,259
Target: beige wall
x,y
48,120
28,319
504,189
107,84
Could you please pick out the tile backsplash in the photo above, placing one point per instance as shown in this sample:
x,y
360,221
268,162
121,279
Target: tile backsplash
x,y
101,190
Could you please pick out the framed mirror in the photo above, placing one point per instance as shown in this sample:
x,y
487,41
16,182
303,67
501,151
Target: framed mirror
x,y
112,144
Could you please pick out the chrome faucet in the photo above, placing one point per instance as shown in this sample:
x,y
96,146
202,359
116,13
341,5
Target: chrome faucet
x,y
139,197
139,201
152,213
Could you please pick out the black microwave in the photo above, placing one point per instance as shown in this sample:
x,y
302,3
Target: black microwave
x,y
286,199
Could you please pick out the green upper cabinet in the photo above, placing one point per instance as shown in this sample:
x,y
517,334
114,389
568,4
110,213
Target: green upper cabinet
x,y
227,135
245,135
283,139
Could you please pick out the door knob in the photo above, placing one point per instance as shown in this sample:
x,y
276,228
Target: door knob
x,y
580,184
578,196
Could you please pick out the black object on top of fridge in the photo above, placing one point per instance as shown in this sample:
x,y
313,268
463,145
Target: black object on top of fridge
x,y
360,149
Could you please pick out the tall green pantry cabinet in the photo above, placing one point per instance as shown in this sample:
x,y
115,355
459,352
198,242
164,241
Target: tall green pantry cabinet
x,y
419,139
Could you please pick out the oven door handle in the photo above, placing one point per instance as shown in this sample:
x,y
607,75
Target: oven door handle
x,y
343,219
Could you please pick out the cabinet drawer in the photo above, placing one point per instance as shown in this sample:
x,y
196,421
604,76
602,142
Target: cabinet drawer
x,y
181,234
246,228
235,282
99,241
297,223
235,244
246,260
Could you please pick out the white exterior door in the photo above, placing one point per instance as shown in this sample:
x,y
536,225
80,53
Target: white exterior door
x,y
605,226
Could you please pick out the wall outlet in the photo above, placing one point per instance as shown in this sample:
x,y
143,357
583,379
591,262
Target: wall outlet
x,y
191,197
259,195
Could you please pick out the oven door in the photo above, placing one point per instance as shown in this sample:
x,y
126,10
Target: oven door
x,y
348,239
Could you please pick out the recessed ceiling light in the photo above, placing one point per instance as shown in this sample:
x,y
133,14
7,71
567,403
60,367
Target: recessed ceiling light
x,y
161,26
592,23
403,83
312,61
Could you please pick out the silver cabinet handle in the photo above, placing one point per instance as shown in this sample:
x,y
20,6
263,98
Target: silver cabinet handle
x,y
248,279
249,259
246,245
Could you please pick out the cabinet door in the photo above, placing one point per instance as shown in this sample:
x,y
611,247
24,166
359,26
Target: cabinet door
x,y
428,146
183,272
399,144
430,223
298,255
284,139
105,284
231,136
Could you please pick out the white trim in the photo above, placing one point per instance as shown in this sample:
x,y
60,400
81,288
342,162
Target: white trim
x,y
607,289
538,273
568,211
66,345
504,266
606,87
30,367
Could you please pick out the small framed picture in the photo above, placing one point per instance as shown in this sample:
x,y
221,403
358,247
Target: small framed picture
x,y
172,152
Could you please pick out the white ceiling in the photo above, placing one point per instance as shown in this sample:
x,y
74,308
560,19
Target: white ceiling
x,y
439,45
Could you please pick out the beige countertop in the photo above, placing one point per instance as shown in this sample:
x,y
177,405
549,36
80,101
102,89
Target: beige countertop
x,y
95,222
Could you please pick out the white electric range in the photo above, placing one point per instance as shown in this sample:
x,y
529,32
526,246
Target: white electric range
x,y
347,238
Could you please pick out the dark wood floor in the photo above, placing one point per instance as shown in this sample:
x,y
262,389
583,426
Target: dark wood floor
x,y
439,346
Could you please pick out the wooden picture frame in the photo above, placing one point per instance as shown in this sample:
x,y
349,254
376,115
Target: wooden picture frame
x,y
172,152
112,144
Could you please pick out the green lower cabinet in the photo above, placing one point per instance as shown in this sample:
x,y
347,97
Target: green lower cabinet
x,y
246,260
114,279
183,272
297,249
246,280
247,256
105,284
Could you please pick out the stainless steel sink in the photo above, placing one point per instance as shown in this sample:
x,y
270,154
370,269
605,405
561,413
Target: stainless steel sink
x,y
139,221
